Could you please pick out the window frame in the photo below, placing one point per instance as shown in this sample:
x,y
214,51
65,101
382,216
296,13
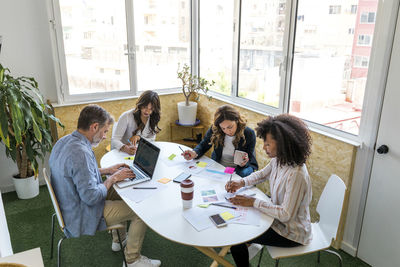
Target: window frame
x,y
378,47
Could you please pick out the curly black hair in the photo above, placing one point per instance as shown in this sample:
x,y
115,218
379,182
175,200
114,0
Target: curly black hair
x,y
292,138
148,97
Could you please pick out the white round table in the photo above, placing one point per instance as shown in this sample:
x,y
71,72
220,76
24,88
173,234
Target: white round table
x,y
162,212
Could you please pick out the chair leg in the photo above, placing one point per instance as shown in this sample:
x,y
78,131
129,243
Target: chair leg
x,y
122,248
52,235
59,251
261,254
337,255
319,257
276,262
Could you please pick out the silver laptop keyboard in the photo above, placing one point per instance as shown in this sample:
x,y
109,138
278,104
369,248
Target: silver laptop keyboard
x,y
139,175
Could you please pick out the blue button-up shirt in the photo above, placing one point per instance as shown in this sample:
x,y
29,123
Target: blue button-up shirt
x,y
78,186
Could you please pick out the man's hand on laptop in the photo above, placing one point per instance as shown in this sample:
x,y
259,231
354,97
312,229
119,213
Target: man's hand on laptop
x,y
113,169
118,176
130,149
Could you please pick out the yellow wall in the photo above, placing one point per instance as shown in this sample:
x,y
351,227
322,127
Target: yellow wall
x,y
329,156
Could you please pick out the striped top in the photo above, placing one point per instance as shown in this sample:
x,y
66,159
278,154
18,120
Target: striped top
x,y
291,195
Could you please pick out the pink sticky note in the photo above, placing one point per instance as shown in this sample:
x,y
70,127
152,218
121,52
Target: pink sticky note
x,y
229,170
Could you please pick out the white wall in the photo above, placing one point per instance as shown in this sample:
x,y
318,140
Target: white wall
x,y
26,51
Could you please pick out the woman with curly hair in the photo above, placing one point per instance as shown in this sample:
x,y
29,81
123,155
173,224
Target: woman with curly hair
x,y
288,143
140,122
227,134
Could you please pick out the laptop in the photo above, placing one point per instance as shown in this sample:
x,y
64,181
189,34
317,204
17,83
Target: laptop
x,y
144,163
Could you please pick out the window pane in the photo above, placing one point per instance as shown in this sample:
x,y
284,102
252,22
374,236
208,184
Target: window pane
x,y
162,39
216,36
330,66
94,34
261,50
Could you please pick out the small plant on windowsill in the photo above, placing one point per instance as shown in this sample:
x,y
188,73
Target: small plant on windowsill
x,y
191,85
24,129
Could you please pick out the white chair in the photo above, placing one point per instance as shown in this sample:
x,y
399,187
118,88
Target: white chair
x,y
60,219
324,232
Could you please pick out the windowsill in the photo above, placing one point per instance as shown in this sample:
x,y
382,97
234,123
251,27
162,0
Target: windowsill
x,y
85,102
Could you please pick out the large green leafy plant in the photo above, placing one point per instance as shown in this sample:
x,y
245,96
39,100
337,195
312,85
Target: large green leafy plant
x,y
192,84
24,122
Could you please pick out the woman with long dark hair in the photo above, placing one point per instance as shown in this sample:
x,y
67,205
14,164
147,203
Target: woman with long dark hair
x,y
288,143
228,134
140,122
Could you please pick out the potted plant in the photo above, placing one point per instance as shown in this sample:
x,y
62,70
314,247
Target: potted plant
x,y
24,129
191,85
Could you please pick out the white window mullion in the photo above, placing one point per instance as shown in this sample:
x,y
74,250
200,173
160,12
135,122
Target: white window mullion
x,y
58,51
286,69
236,48
131,52
194,36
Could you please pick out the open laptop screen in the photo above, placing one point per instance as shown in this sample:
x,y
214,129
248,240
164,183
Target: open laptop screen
x,y
146,156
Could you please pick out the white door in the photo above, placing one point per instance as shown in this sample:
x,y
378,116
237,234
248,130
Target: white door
x,y
380,235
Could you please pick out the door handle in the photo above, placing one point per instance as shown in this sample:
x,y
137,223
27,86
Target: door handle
x,y
383,149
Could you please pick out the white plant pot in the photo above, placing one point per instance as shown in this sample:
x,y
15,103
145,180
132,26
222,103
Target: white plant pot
x,y
26,187
187,114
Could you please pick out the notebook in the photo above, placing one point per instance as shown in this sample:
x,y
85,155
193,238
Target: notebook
x,y
144,163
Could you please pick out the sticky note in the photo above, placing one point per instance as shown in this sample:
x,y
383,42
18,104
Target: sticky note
x,y
172,156
203,205
229,170
227,216
201,164
164,180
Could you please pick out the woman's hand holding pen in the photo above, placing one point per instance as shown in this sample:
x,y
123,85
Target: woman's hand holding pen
x,y
233,186
189,154
134,140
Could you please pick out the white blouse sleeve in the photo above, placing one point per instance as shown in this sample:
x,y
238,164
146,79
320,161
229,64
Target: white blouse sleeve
x,y
258,176
294,191
120,131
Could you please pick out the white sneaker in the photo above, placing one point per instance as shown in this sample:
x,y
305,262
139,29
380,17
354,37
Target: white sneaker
x,y
115,246
143,261
254,249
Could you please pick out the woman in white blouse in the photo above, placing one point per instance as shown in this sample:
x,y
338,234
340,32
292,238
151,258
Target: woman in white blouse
x,y
288,143
141,122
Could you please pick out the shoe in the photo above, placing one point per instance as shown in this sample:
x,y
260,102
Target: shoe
x,y
143,261
115,246
254,249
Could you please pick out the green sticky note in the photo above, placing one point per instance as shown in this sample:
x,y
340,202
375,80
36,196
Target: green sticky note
x,y
172,156
227,215
203,205
202,164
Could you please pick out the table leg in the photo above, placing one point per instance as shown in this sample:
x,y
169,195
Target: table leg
x,y
222,253
212,254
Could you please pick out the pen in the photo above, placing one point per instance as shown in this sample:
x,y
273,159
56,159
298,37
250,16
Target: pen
x,y
222,205
230,179
135,187
184,153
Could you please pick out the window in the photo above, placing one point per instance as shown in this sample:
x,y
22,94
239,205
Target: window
x,y
367,17
334,9
102,56
261,52
364,40
353,9
216,37
361,62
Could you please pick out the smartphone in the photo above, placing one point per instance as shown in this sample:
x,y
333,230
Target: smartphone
x,y
218,220
181,177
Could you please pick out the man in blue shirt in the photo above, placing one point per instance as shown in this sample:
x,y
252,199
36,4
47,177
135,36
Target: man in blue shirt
x,y
81,193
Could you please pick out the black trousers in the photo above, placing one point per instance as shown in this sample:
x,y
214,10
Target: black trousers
x,y
240,253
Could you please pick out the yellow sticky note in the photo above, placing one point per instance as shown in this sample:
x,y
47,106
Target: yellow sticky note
x,y
172,156
202,164
227,215
164,180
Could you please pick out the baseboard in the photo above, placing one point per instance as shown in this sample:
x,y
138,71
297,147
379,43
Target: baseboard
x,y
348,248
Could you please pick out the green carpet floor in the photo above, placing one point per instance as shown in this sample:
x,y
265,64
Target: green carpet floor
x,y
29,224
